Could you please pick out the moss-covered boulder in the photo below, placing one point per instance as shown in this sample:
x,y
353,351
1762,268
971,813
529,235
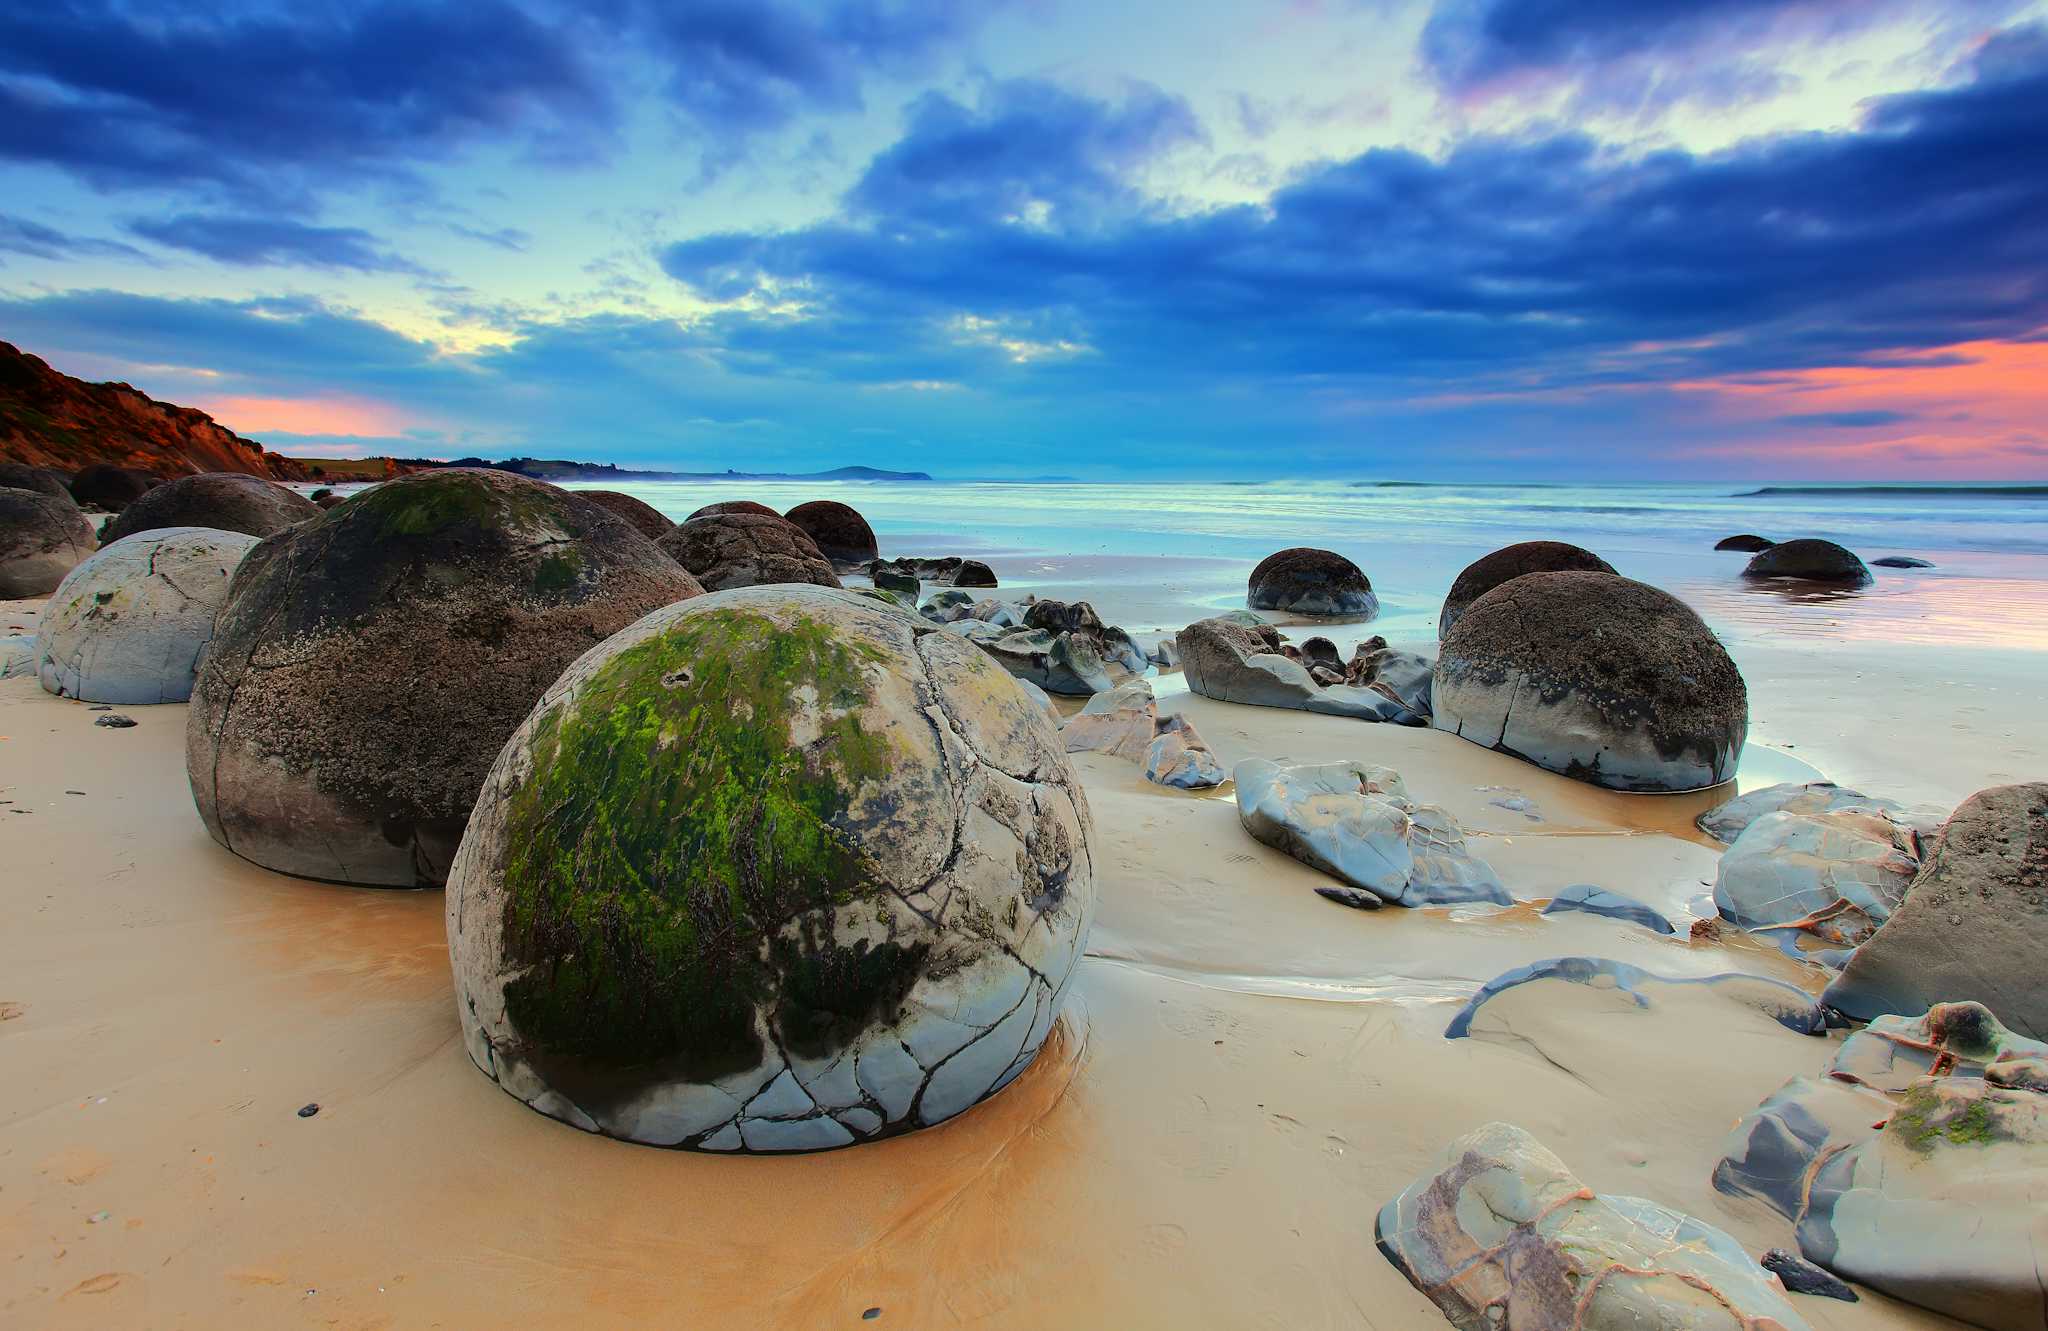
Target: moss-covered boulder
x,y
1607,680
779,868
221,500
109,489
128,624
369,664
645,517
838,530
1482,575
736,549
42,538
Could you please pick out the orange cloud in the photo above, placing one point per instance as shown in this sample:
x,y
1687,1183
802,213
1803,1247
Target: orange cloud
x,y
357,417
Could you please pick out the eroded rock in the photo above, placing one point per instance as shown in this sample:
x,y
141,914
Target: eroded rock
x,y
1586,899
222,500
42,538
1303,580
838,530
1482,575
1785,1004
745,549
1833,876
1233,661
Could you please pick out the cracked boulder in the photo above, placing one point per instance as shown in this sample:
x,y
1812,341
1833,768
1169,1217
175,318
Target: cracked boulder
x,y
1974,922
1606,680
128,624
368,665
222,500
642,516
42,538
739,549
1506,1238
776,869
1726,822
1489,571
1125,723
1230,660
1356,823
1916,1165
1307,581
1833,877
1808,560
838,530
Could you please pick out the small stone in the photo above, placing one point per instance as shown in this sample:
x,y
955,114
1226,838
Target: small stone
x,y
1350,896
307,1111
1803,1277
871,1314
115,721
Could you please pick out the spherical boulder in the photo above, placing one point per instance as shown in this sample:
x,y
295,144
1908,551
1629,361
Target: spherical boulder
x,y
645,517
42,538
42,480
127,625
1606,680
1489,571
369,664
221,500
1747,543
110,489
1307,581
732,506
1809,561
776,869
838,530
748,550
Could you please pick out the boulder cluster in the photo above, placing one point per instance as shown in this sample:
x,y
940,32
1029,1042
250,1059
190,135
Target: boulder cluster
x,y
1062,647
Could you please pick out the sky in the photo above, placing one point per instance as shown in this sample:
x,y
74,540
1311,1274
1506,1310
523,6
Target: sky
x,y
1361,239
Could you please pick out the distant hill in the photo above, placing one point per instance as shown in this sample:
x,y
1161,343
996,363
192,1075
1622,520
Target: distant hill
x,y
546,469
49,419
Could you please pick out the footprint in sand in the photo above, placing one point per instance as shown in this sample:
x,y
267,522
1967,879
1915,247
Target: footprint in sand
x,y
103,1283
9,1011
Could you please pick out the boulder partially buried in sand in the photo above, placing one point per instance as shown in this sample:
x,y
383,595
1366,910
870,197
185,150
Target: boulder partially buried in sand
x,y
369,665
645,517
1974,923
1306,581
778,869
737,549
1484,574
1810,561
1834,876
128,624
838,530
1506,1238
1604,679
222,500
110,489
42,538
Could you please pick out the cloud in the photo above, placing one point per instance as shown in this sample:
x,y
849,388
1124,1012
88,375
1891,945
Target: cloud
x,y
1845,420
22,235
272,241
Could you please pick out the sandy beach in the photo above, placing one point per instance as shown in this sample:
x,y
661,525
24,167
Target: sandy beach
x,y
1243,1075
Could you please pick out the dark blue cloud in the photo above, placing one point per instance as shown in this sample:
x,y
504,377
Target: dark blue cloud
x,y
272,242
22,235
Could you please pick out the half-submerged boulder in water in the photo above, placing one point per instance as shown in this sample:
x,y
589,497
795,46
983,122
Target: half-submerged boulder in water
x,y
1490,571
42,538
1604,679
838,530
1307,581
738,549
128,624
778,869
1810,561
369,665
1747,543
222,500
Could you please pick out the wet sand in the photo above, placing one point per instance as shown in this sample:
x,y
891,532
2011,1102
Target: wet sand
x,y
1244,1074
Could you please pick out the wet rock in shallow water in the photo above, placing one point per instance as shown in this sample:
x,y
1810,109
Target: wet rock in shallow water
x,y
1809,561
1785,1004
875,937
1356,823
1802,1277
1834,876
642,516
1605,680
1587,899
224,501
729,550
1726,822
1231,661
42,538
127,625
1746,543
951,571
837,529
903,584
1974,922
1177,757
1490,571
1307,581
1900,561
369,664
1506,1238
1929,1193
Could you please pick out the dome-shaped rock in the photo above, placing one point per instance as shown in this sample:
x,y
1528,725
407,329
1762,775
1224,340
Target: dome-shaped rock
x,y
733,506
42,538
110,489
748,550
1601,678
1306,581
127,625
1490,571
221,500
838,530
42,480
645,517
777,869
1810,561
1748,543
370,663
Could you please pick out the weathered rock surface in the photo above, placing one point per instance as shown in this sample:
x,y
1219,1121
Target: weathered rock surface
x,y
1490,571
1231,661
1506,1238
838,530
1062,647
741,549
838,897
1788,1005
1603,679
1726,822
127,625
1065,663
109,488
1809,561
1832,876
645,518
1916,1165
1306,581
42,538
17,654
1405,677
1356,823
1178,757
223,501
1747,543
725,506
1974,923
904,586
370,663
1584,898
43,480
1125,723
